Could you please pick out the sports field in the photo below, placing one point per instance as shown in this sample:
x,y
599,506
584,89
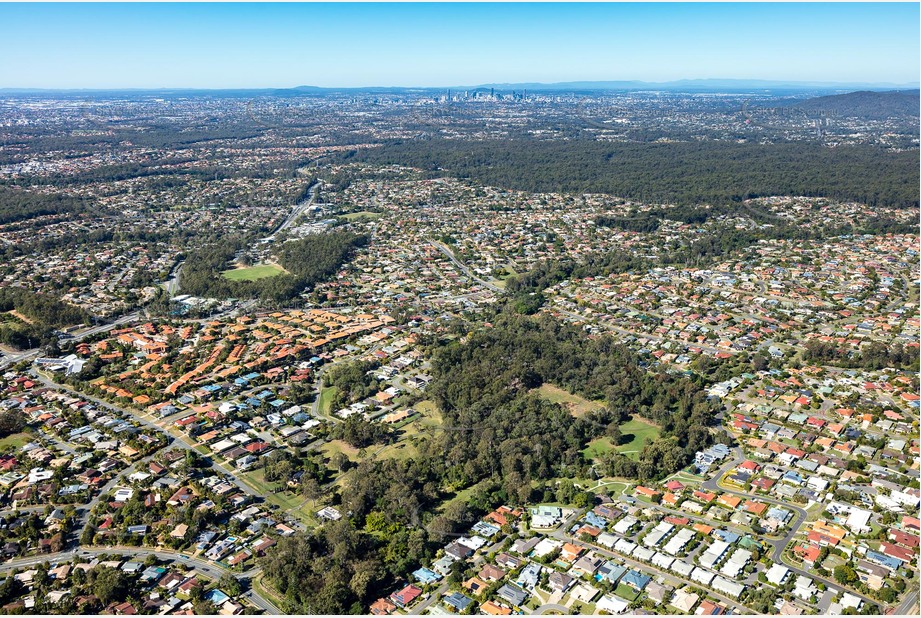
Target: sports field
x,y
253,273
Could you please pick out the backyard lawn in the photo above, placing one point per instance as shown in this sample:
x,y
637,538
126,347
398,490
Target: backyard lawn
x,y
626,592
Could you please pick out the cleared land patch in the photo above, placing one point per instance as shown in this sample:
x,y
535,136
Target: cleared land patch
x,y
16,440
17,314
430,416
338,446
253,273
576,405
327,393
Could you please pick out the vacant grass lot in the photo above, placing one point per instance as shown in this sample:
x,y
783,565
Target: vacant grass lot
x,y
596,448
288,501
327,393
16,440
462,496
576,405
253,273
403,448
430,416
635,434
338,446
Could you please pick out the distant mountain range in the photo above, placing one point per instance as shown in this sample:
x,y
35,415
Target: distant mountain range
x,y
865,104
706,85
684,85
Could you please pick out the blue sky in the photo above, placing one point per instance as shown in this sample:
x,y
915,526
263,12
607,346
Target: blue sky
x,y
342,45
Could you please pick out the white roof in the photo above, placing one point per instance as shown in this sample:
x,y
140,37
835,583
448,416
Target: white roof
x,y
612,604
777,574
682,568
546,546
713,553
677,542
849,600
730,588
702,575
625,524
123,494
223,445
606,540
625,547
584,593
662,561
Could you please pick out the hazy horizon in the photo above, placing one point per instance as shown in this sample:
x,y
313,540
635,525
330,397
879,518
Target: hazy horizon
x,y
601,84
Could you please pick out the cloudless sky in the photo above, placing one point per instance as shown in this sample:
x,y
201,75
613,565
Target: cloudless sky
x,y
343,44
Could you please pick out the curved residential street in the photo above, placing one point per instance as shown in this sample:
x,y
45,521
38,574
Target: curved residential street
x,y
551,607
779,544
208,568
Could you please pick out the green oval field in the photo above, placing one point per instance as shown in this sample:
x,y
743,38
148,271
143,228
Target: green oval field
x,y
253,273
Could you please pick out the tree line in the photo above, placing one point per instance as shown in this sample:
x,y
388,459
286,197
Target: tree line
x,y
525,291
41,307
487,384
779,229
499,442
45,314
678,173
309,260
17,205
872,356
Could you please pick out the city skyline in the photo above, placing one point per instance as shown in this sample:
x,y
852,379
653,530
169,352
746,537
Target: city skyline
x,y
241,45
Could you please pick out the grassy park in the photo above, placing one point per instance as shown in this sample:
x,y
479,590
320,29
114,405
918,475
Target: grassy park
x,y
635,434
253,273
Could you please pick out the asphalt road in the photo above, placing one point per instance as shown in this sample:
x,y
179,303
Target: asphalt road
x,y
463,268
779,544
299,209
551,607
561,534
209,569
12,359
175,440
908,603
172,284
